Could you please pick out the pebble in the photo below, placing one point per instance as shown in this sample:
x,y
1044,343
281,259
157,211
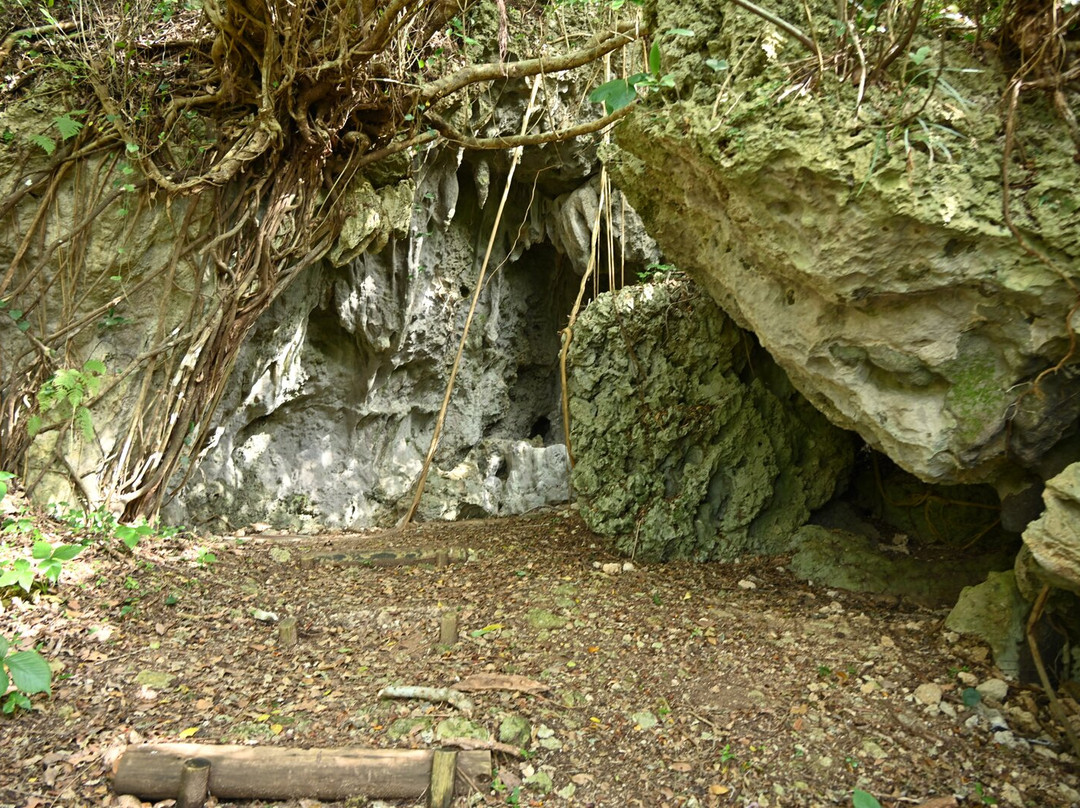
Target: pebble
x,y
928,693
967,678
1011,794
745,584
993,689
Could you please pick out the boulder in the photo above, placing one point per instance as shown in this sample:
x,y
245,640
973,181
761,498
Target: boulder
x,y
994,612
687,439
1054,538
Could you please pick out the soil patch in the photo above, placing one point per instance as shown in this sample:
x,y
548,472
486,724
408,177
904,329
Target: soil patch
x,y
664,685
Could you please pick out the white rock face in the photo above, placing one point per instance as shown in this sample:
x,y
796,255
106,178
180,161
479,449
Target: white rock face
x,y
333,402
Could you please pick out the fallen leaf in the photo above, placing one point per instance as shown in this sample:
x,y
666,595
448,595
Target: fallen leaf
x,y
718,789
680,766
187,733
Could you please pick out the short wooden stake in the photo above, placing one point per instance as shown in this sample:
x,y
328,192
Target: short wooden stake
x,y
443,777
287,632
194,783
442,558
448,633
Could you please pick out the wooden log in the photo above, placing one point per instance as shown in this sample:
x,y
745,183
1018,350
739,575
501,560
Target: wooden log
x,y
152,771
194,783
443,775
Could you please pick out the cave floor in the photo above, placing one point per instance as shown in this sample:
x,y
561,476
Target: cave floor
x,y
658,685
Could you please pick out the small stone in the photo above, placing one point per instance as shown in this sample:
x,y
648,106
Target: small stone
x,y
874,751
1045,752
540,782
515,730
611,569
628,567
1011,794
967,678
993,690
158,680
947,709
540,619
928,693
280,555
745,584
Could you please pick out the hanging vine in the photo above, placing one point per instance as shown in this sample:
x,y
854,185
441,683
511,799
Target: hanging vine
x,y
239,131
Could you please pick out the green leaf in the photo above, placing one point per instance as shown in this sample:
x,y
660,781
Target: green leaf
x,y
680,32
716,64
614,95
67,126
30,672
16,314
3,653
971,696
45,142
84,422
66,552
42,549
33,425
95,366
655,59
50,568
860,799
920,56
23,325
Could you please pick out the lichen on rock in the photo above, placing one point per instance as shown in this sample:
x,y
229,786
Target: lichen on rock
x,y
688,440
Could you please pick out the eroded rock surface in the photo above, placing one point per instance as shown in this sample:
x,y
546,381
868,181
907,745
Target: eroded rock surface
x,y
885,283
688,441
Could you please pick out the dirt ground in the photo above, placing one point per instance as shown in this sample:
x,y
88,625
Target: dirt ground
x,y
665,685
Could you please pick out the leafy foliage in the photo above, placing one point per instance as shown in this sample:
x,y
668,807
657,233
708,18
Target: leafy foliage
x,y
27,671
63,395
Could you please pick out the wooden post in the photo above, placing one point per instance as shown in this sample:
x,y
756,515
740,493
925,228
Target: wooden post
x,y
153,771
448,633
287,632
194,783
443,775
442,558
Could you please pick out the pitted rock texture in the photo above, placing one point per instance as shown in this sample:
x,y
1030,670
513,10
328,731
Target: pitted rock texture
x,y
688,440
886,284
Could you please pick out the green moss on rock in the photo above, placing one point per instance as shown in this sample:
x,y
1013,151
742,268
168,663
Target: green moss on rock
x,y
689,442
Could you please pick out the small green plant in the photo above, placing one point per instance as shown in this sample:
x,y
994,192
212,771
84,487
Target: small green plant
x,y
66,125
984,796
726,755
64,394
4,477
618,93
22,574
27,671
655,271
205,558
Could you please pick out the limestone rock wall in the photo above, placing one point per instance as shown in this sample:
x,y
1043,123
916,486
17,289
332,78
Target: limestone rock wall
x,y
883,280
688,440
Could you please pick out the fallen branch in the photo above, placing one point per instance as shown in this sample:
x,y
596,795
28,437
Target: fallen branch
x,y
493,746
447,694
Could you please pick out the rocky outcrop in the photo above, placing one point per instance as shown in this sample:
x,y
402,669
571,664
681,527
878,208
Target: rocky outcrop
x,y
1054,538
688,441
882,279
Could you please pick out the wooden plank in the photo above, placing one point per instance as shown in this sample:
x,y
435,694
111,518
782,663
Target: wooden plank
x,y
152,771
